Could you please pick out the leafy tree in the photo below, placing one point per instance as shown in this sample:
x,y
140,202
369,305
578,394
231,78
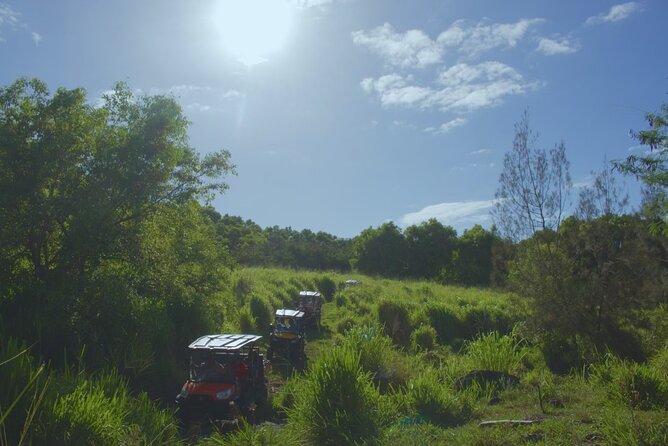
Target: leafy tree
x,y
652,168
533,187
382,251
430,246
80,188
592,277
472,262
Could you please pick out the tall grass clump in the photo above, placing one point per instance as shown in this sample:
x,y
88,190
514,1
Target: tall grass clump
x,y
262,312
394,317
496,352
638,386
423,338
372,346
338,403
22,387
100,410
430,398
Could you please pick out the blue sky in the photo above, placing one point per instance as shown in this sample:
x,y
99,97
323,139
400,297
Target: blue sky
x,y
341,115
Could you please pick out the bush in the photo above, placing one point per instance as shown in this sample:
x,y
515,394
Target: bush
x,y
338,403
395,319
327,287
372,346
423,338
445,322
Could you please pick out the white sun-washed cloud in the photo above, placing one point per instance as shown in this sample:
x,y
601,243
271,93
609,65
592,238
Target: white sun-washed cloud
x,y
413,48
11,20
459,214
476,39
552,47
197,107
8,17
615,14
446,127
462,88
480,152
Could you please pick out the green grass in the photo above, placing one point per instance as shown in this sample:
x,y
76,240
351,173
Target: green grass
x,y
383,369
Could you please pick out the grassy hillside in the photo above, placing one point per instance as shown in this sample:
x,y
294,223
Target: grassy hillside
x,y
395,362
389,367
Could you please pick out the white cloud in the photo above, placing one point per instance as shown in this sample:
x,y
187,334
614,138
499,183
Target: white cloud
x,y
447,126
196,106
551,47
476,39
461,88
616,14
480,152
8,17
460,214
413,48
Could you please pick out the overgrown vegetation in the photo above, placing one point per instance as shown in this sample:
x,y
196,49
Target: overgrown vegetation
x,y
111,265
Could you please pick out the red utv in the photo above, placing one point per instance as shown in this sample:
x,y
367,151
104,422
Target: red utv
x,y
227,374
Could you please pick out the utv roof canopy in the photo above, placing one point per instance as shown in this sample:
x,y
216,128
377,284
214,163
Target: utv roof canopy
x,y
289,313
227,342
309,294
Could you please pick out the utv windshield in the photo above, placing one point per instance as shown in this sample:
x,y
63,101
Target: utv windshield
x,y
217,368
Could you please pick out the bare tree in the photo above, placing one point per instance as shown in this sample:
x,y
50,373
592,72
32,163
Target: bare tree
x,y
603,197
534,186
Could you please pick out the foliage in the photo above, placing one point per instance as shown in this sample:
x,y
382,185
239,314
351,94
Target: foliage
x,y
382,251
262,312
431,399
652,168
327,287
585,279
423,338
495,352
338,403
394,317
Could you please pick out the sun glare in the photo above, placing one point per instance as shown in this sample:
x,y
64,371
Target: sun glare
x,y
251,30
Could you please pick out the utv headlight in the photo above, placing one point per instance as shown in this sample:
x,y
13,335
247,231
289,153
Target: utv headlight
x,y
225,394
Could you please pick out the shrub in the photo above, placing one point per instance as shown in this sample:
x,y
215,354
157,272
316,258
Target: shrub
x,y
479,320
338,403
423,338
395,319
262,313
445,322
341,300
327,287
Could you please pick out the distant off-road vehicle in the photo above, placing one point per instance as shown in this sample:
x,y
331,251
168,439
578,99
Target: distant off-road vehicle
x,y
227,375
310,302
287,337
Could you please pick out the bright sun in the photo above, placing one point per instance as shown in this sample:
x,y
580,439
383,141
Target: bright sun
x,y
252,29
